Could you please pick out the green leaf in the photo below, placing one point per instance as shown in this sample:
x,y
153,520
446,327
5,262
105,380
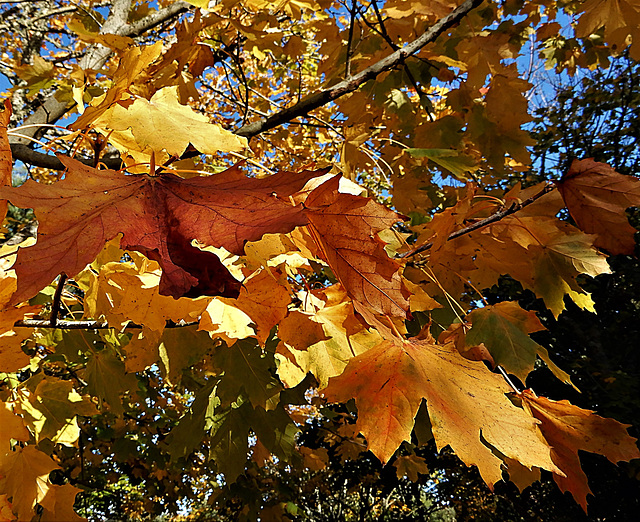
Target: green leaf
x,y
107,380
276,431
458,164
190,431
504,329
58,404
229,439
246,368
180,348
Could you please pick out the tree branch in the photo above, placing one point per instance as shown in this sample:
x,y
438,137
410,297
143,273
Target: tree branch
x,y
85,325
52,110
486,221
57,299
349,85
48,161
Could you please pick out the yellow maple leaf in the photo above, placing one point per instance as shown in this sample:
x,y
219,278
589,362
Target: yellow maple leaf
x,y
25,478
162,124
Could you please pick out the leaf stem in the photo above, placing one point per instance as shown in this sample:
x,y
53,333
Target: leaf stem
x,y
55,307
509,381
486,221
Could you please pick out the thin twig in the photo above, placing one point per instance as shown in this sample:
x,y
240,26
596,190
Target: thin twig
x,y
349,85
486,221
55,307
86,325
350,49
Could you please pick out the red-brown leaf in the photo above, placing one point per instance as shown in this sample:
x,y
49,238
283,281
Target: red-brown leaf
x,y
568,429
158,216
597,197
345,227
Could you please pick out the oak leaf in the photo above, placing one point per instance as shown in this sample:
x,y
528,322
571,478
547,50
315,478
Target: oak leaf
x,y
597,197
158,216
568,429
345,227
390,381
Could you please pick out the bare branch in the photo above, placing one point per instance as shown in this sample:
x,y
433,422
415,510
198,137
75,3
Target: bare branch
x,y
157,18
52,110
350,46
486,221
85,325
48,161
57,299
325,96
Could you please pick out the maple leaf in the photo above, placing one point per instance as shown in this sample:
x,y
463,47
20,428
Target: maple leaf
x,y
107,380
390,381
568,429
158,216
324,343
410,466
58,504
262,302
6,513
597,197
124,292
543,253
619,18
132,62
6,163
12,357
11,427
246,369
180,348
25,478
163,124
187,435
53,408
504,330
345,228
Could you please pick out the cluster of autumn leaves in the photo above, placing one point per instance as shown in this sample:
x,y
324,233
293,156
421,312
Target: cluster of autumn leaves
x,y
231,262
225,251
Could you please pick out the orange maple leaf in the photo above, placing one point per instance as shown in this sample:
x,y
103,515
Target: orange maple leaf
x,y
345,228
467,405
597,197
6,163
568,429
158,216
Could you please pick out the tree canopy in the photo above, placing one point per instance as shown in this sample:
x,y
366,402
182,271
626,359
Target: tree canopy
x,y
269,235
